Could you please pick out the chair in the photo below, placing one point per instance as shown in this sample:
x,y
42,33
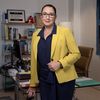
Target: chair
x,y
82,65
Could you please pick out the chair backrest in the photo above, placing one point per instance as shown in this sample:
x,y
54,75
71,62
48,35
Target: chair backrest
x,y
82,65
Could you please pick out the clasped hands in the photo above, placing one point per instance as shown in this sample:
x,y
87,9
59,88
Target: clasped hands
x,y
54,65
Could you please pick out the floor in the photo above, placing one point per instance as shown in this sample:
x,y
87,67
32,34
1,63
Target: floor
x,y
11,94
81,93
88,93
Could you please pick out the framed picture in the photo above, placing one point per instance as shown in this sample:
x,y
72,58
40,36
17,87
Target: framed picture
x,y
39,23
16,16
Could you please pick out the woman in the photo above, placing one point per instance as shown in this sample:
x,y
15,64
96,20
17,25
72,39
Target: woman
x,y
54,52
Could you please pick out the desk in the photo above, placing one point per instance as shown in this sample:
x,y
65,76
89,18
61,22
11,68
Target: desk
x,y
81,82
23,85
86,82
10,73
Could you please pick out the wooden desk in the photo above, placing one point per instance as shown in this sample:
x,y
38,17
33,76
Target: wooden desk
x,y
81,82
23,87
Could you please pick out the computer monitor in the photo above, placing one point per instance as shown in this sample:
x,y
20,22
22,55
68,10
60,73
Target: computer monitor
x,y
16,49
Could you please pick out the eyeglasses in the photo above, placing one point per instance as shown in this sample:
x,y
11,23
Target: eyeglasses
x,y
45,15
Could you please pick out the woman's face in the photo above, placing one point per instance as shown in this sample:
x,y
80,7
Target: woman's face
x,y
48,16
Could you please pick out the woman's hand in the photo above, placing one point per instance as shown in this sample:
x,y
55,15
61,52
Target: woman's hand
x,y
31,92
54,65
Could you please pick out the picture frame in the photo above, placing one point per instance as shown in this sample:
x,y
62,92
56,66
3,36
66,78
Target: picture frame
x,y
16,16
38,20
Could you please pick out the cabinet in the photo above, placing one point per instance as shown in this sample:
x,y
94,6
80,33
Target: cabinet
x,y
18,36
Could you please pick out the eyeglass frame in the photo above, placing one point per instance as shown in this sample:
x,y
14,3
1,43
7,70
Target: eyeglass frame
x,y
51,15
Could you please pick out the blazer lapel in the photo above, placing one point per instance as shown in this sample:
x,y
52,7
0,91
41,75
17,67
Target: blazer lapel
x,y
54,42
53,46
36,44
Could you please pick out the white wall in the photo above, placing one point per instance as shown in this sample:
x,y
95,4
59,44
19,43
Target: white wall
x,y
88,33
30,6
83,15
74,17
61,6
76,20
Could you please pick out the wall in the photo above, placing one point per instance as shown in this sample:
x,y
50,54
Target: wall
x,y
74,17
83,15
61,6
71,10
88,33
32,6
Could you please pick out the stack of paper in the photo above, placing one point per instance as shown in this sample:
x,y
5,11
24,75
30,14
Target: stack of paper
x,y
24,83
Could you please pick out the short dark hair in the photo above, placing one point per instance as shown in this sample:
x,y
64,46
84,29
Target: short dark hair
x,y
49,5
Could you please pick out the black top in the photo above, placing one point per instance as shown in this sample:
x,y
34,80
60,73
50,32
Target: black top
x,y
44,53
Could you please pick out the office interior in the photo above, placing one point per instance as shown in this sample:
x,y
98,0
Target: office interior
x,y
81,14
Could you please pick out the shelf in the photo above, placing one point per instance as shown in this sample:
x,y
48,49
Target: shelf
x,y
19,23
22,33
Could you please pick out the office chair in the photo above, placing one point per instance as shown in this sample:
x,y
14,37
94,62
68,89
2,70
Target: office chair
x,y
82,65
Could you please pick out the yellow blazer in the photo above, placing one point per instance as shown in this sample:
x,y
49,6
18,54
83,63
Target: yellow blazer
x,y
63,49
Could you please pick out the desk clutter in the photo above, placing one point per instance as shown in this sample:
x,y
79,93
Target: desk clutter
x,y
23,75
23,78
20,70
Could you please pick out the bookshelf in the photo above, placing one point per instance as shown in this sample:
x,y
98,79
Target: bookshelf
x,y
21,32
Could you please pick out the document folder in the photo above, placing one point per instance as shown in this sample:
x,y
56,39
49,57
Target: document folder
x,y
86,82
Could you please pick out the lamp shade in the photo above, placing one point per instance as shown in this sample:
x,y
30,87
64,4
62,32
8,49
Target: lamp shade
x,y
66,24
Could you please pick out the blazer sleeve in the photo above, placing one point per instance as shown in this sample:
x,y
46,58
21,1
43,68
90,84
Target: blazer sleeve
x,y
33,80
73,51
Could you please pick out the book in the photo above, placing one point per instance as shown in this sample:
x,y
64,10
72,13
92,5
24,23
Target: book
x,y
24,83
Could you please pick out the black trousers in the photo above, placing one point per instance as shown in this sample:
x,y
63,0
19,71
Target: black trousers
x,y
57,91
